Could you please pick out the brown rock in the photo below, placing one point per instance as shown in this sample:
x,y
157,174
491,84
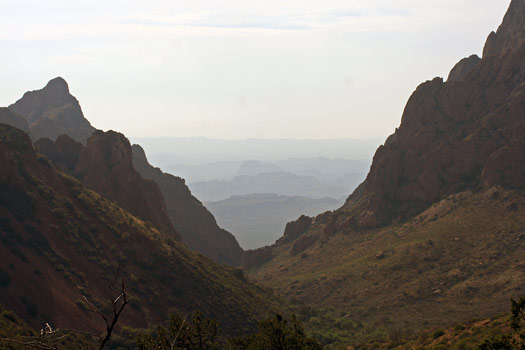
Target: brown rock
x,y
463,68
63,153
511,32
191,219
105,166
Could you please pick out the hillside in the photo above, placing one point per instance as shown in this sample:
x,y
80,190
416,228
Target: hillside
x,y
60,240
435,234
195,224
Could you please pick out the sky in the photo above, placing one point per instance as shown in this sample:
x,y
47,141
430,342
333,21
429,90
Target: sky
x,y
239,69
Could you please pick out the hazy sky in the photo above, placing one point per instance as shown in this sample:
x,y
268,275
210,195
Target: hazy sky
x,y
238,69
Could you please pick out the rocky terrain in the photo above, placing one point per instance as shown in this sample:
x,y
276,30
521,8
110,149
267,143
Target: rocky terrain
x,y
105,165
60,241
105,162
53,111
436,231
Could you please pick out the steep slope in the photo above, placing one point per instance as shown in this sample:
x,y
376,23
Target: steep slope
x,y
53,111
105,165
60,240
436,233
191,219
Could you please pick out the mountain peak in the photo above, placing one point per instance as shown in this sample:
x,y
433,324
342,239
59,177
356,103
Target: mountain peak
x,y
510,33
57,84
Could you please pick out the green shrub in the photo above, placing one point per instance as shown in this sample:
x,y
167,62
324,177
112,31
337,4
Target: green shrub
x,y
438,333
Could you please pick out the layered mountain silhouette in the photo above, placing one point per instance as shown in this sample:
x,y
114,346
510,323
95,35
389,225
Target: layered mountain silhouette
x,y
105,162
53,111
435,232
60,241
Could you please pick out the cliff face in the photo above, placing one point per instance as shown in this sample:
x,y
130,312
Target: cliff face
x,y
53,111
511,32
191,219
458,135
105,166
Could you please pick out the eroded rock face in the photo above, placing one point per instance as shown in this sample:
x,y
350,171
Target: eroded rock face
x,y
105,165
63,153
463,68
191,219
53,111
294,229
449,133
511,32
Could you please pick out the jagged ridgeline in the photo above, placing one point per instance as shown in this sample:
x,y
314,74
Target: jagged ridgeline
x,y
106,163
60,240
436,232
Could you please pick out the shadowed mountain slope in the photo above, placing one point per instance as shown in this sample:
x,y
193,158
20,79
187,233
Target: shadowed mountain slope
x,y
53,111
191,219
60,240
105,165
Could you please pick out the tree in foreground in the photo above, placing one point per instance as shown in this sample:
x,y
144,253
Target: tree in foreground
x,y
197,333
515,341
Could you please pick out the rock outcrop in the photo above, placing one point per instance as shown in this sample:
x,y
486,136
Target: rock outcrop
x,y
105,165
511,32
191,219
453,136
463,68
53,111
63,153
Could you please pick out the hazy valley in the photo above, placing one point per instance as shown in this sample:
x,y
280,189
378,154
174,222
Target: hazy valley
x,y
255,244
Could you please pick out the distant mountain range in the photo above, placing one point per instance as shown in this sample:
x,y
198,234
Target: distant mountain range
x,y
166,151
281,183
258,219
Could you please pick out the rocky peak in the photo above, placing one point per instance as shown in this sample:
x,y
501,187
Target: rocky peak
x,y
53,111
57,90
463,68
510,33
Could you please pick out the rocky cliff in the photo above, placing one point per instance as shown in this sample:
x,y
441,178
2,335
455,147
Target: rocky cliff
x,y
191,219
463,134
53,111
105,165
